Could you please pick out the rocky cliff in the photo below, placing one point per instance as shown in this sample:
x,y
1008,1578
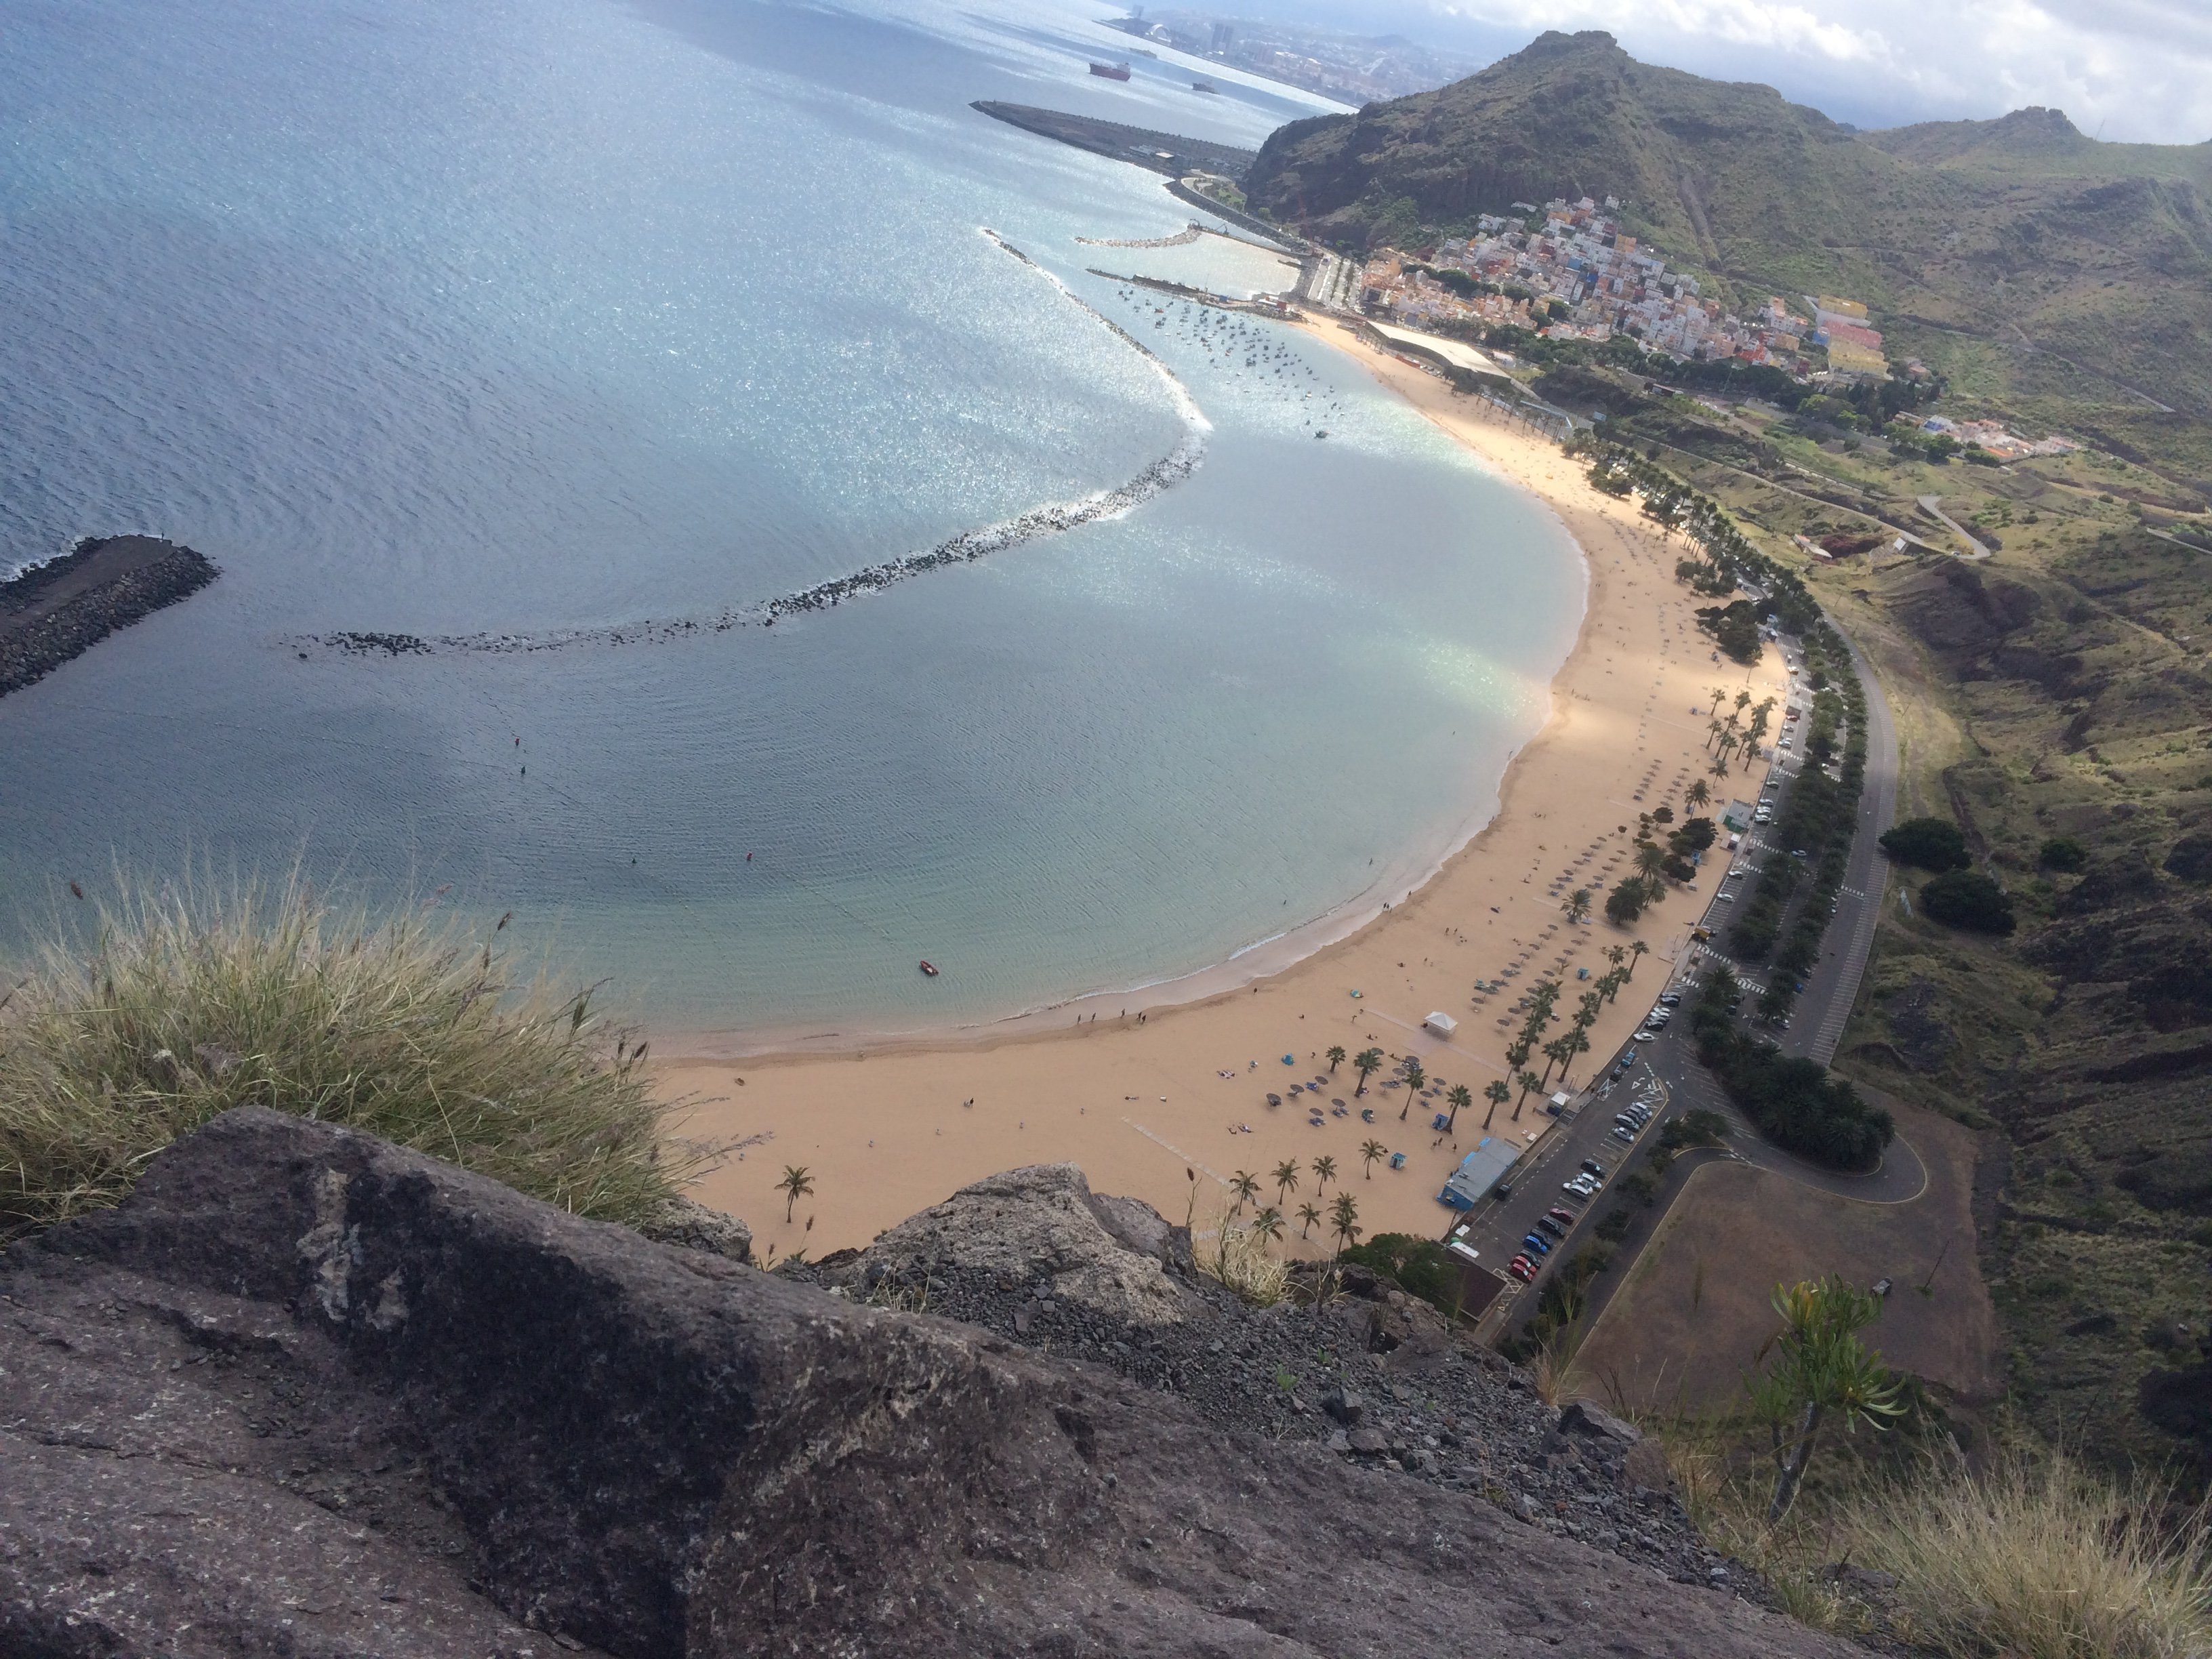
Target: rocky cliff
x,y
305,1394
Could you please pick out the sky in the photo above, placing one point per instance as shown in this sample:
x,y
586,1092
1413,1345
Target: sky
x,y
2138,69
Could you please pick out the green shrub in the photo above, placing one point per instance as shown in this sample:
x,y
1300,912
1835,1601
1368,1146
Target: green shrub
x,y
1421,1266
185,1003
1929,844
1968,899
2063,853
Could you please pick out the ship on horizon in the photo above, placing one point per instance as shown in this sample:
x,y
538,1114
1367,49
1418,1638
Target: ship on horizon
x,y
1111,71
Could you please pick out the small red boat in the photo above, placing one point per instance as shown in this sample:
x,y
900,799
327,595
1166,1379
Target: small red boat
x,y
929,968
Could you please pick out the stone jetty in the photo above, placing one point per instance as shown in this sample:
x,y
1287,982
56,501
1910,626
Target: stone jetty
x,y
56,611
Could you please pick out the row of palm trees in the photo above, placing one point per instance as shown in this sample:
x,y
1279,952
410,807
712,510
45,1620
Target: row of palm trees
x,y
1722,738
1268,1223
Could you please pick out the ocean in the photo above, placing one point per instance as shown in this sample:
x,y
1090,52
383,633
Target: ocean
x,y
569,336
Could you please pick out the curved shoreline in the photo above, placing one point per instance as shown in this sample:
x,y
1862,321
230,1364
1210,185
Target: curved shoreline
x,y
1262,960
1198,1079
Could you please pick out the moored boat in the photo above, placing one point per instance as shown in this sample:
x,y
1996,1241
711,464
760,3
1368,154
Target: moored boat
x,y
929,968
1111,71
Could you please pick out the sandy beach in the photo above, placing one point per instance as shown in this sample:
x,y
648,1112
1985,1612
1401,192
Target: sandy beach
x,y
1140,1098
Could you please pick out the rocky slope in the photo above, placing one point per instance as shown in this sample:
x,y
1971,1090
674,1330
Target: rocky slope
x,y
1375,1375
305,1394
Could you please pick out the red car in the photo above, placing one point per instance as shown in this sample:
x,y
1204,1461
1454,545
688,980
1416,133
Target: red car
x,y
1522,1269
1564,1217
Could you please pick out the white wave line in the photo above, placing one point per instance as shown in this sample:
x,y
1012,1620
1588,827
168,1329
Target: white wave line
x,y
1050,519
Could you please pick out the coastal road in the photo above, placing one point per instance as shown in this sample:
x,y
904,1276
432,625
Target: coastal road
x,y
1664,1072
1831,989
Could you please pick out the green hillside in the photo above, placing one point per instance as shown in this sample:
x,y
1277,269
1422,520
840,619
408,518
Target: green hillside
x,y
2021,233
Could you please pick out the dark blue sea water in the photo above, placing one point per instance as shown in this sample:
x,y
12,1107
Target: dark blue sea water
x,y
526,316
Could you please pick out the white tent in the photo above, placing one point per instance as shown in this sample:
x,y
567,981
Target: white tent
x,y
1443,1025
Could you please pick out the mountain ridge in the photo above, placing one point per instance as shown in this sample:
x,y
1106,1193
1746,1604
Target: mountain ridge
x,y
2020,228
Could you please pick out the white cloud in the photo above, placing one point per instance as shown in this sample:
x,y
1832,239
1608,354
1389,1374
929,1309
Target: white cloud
x,y
2138,70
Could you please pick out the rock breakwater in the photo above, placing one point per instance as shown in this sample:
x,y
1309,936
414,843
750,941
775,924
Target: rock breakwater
x,y
1053,518
59,609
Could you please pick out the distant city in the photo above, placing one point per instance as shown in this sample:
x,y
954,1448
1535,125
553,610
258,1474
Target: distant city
x,y
1350,69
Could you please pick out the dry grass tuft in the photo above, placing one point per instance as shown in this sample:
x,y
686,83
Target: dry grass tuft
x,y
1238,1255
2041,1560
186,1001
2037,1558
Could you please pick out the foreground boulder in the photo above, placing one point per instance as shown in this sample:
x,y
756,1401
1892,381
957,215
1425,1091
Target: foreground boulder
x,y
306,1393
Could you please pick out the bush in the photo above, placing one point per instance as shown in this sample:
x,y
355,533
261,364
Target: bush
x,y
1929,844
1734,627
2063,853
1797,1104
1968,899
1421,1266
1625,903
185,1006
2190,859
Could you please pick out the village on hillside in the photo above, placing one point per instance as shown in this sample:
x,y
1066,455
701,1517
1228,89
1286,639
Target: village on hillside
x,y
1568,271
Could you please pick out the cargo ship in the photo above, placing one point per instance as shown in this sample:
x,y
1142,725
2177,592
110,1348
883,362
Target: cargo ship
x,y
1111,71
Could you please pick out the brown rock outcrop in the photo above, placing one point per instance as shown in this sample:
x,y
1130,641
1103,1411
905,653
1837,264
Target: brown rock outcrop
x,y
306,1393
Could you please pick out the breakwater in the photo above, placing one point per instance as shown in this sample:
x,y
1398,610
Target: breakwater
x,y
1053,518
62,608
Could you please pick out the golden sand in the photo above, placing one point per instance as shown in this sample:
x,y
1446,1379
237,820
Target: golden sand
x,y
887,1130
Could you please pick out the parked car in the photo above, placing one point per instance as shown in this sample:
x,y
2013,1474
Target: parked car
x,y
1580,1186
1625,1137
1546,1224
1671,999
1539,1243
1522,1269
1565,1218
1645,1037
1593,1169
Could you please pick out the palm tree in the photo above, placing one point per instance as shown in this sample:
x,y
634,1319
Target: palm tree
x,y
1574,1042
1324,1170
1269,1225
1719,768
1461,1096
1720,696
1650,861
1577,906
1415,1077
1555,1054
1310,1215
1820,1366
1366,1062
1530,1083
1286,1179
1344,1220
1497,1093
1616,954
1697,794
1246,1185
1518,1052
1369,1150
1636,948
796,1183
1334,1056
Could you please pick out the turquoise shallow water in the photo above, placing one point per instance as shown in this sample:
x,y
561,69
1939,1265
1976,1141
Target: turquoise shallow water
x,y
546,314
